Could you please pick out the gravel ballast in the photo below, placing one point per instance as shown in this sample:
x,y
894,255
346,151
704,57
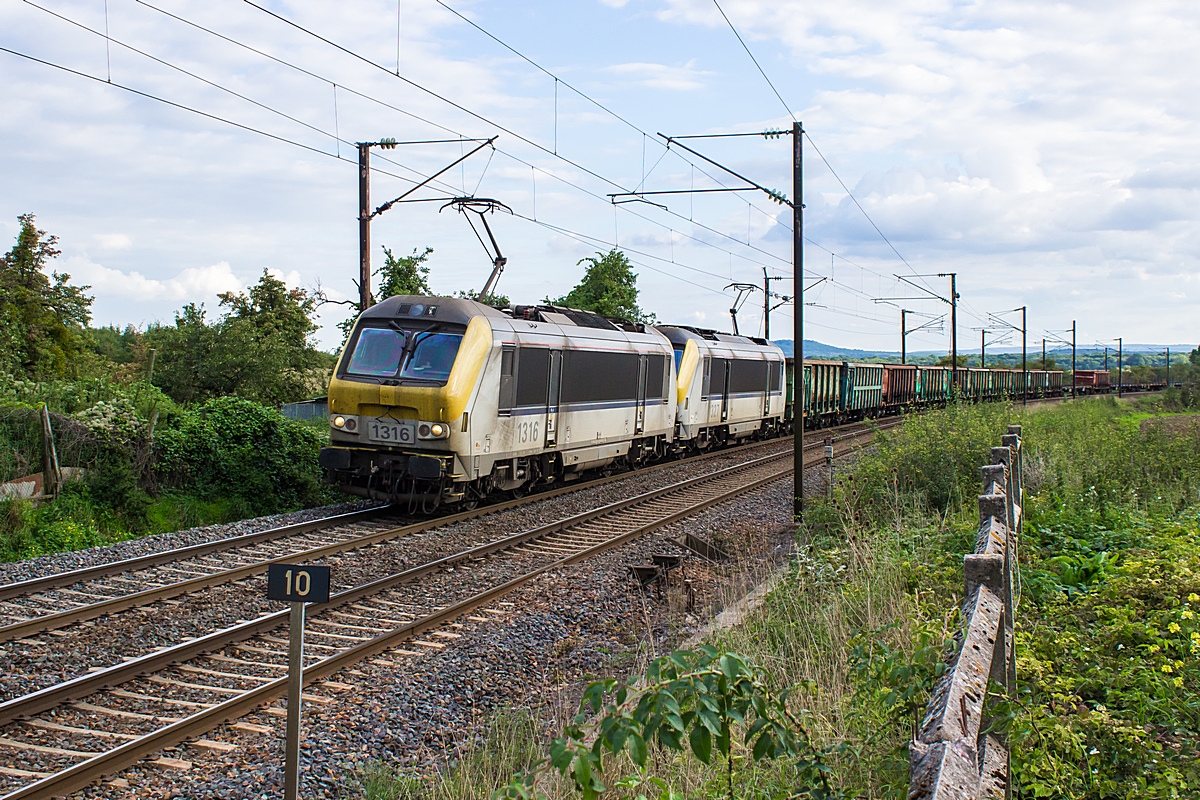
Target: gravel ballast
x,y
548,637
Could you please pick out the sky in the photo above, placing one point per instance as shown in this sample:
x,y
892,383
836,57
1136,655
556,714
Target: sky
x,y
1048,154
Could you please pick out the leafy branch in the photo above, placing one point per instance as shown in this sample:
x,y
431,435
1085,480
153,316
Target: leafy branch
x,y
688,700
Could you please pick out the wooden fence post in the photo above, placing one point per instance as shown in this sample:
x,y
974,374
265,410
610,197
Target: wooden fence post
x,y
51,474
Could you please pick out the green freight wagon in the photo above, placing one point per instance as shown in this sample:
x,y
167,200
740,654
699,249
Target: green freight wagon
x,y
863,390
933,385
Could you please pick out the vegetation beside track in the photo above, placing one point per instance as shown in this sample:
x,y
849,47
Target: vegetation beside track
x,y
161,454
1108,624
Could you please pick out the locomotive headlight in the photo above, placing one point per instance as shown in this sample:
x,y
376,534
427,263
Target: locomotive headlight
x,y
339,422
433,430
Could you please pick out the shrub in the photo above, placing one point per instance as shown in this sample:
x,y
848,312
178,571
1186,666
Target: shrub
x,y
236,448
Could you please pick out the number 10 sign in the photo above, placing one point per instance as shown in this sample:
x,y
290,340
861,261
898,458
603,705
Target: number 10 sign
x,y
298,584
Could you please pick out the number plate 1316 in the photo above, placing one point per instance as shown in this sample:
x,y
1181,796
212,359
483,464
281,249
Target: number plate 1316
x,y
390,430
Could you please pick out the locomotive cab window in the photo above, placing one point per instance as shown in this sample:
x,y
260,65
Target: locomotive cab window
x,y
384,353
377,353
431,356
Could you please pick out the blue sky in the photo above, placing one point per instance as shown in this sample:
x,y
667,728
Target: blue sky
x,y
1045,153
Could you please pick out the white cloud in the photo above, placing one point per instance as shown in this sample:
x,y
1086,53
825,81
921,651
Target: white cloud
x,y
194,284
1036,149
113,241
661,76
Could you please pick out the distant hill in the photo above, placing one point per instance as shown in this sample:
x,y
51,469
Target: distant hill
x,y
815,349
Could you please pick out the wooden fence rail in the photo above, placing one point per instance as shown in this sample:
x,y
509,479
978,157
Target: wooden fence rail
x,y
954,757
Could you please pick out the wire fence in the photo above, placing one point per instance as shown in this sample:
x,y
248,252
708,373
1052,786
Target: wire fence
x,y
24,451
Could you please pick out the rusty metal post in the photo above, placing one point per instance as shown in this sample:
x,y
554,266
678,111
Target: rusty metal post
x,y
1120,365
1074,381
798,392
1024,369
291,769
953,331
766,306
829,464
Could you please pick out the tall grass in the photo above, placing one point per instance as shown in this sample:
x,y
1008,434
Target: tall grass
x,y
862,618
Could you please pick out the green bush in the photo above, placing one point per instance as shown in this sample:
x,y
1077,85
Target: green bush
x,y
234,448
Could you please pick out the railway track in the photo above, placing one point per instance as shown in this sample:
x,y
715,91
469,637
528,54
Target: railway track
x,y
56,601
71,734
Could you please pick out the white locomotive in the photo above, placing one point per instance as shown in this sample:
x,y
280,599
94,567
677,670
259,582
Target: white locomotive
x,y
441,400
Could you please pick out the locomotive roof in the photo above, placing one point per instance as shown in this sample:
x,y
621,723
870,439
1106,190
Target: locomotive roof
x,y
441,309
682,333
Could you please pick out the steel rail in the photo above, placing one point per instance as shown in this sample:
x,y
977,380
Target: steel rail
x,y
87,772
61,619
59,693
58,580
46,622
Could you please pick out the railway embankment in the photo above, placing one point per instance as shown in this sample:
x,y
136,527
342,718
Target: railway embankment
x,y
868,615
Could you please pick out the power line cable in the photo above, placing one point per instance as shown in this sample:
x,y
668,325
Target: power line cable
x,y
560,80
787,108
755,60
241,96
318,130
564,231
439,126
527,140
180,106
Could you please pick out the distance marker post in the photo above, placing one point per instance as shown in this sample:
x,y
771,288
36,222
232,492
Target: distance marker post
x,y
298,585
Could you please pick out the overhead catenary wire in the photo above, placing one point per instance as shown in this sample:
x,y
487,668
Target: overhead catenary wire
x,y
810,140
560,80
761,71
559,178
336,136
520,137
318,150
284,139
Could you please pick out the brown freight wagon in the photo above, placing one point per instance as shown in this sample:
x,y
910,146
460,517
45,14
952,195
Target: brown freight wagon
x,y
1092,381
899,387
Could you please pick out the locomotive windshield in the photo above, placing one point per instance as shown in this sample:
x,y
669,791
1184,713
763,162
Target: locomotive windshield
x,y
431,356
395,353
377,353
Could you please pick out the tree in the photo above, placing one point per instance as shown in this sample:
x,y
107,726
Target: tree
x,y
404,275
42,318
261,348
945,361
609,287
491,299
